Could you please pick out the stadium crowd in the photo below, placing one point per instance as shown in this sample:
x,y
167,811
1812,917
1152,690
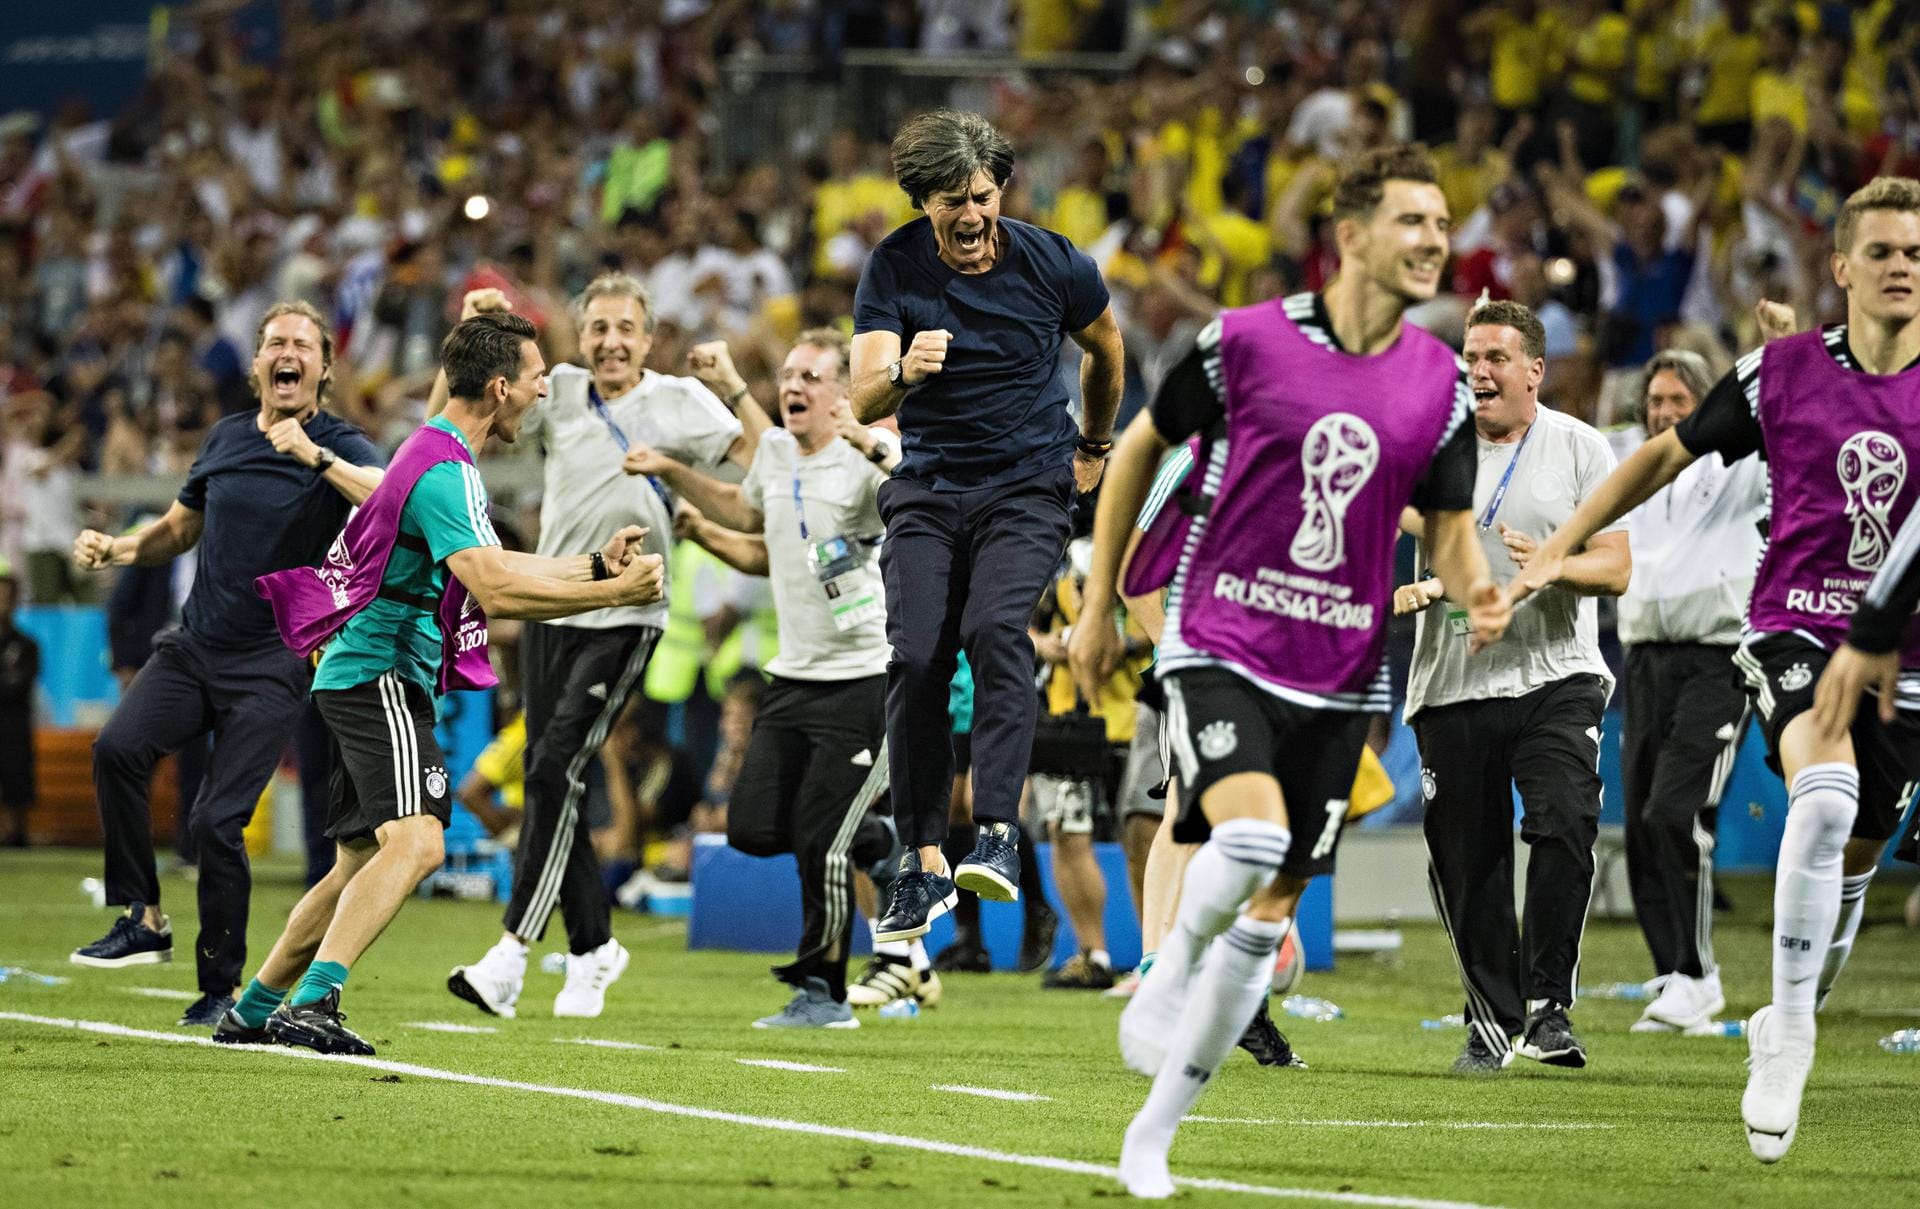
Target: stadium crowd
x,y
1639,173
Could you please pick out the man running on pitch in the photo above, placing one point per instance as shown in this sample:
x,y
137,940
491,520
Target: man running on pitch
x,y
400,606
1321,419
1836,412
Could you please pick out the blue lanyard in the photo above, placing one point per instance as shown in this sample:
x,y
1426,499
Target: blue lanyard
x,y
1500,492
620,438
799,510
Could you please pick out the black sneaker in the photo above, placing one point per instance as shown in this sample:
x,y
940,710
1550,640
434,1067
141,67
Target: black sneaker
x,y
128,943
1036,938
1549,1038
964,956
1079,973
234,1031
317,1026
918,899
993,870
1479,1059
206,1011
1268,1045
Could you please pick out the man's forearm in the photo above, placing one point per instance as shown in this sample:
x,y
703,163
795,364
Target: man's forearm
x,y
438,396
875,397
355,483
1128,478
744,552
1596,573
539,598
723,502
1632,483
1102,380
573,568
151,545
1454,554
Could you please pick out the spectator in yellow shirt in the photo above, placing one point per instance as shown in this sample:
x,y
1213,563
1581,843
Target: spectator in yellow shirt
x,y
1471,166
1729,55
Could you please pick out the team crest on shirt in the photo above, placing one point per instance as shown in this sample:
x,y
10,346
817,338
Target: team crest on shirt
x,y
1796,678
1429,788
1872,469
1217,740
436,782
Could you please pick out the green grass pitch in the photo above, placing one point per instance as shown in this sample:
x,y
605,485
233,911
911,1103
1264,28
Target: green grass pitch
x,y
97,1120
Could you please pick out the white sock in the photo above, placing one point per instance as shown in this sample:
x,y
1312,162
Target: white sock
x,y
917,954
1806,887
1225,996
1853,905
1099,957
1241,856
896,950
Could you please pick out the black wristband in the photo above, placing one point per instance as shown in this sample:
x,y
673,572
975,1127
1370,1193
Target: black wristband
x,y
733,400
599,563
1092,449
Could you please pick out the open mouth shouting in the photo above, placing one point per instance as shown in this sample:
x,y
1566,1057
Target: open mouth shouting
x,y
970,241
286,379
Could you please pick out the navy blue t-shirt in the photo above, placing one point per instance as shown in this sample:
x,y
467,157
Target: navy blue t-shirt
x,y
264,512
997,413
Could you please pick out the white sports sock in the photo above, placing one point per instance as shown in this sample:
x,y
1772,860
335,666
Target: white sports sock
x,y
896,950
1241,856
1806,888
917,954
1225,996
1853,905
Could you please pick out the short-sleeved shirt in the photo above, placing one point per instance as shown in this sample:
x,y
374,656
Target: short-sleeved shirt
x,y
264,512
809,500
447,509
1727,422
587,497
997,413
1555,633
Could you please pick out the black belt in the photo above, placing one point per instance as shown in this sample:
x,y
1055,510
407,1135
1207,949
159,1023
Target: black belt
x,y
407,541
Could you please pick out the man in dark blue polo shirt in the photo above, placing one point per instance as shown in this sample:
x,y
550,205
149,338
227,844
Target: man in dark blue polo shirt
x,y
978,511
269,490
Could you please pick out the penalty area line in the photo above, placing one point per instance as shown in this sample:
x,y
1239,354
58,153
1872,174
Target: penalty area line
x,y
775,1124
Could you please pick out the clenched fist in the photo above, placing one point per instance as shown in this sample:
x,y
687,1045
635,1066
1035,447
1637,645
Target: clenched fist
x,y
290,437
92,550
712,364
643,580
926,356
483,302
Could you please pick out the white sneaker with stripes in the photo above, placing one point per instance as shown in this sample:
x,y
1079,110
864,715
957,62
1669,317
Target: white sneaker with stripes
x,y
493,983
588,977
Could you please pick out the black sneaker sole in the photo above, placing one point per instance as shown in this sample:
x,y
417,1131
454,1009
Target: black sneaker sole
x,y
462,989
987,883
287,1032
1572,1059
250,1037
915,932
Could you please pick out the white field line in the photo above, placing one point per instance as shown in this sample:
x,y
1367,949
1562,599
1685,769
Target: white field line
x,y
805,1068
163,993
601,1043
1305,1124
870,1137
443,1026
990,1093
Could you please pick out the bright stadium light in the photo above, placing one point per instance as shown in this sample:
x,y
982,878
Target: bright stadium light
x,y
1256,77
477,207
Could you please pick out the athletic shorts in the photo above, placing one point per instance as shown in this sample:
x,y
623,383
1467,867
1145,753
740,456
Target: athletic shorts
x,y
1781,671
1220,724
1143,783
386,763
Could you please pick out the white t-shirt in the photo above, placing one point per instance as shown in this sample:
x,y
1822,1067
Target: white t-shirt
x,y
1554,634
587,497
833,629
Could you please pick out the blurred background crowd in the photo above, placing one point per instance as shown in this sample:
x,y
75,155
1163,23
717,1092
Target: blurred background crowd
x,y
1639,172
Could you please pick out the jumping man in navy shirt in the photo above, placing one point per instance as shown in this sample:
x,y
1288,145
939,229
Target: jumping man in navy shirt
x,y
977,512
269,490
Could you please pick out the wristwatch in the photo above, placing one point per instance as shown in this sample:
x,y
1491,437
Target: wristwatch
x,y
324,460
897,375
1092,449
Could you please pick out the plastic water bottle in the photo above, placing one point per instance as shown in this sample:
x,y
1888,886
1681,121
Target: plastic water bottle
x,y
1906,1041
1720,1028
553,963
95,891
1450,1020
1632,992
900,1009
9,973
1309,1008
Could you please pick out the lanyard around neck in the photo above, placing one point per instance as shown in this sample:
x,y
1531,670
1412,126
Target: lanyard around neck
x,y
1506,480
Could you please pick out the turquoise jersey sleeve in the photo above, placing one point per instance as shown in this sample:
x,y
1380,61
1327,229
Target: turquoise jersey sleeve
x,y
1173,472
449,508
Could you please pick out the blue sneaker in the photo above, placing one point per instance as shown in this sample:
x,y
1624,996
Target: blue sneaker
x,y
129,942
993,870
812,1006
207,1011
917,900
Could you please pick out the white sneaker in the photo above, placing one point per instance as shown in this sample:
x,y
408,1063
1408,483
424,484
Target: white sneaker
x,y
1683,1005
588,977
493,983
1771,1106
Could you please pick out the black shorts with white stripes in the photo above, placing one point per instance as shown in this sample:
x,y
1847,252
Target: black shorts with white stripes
x,y
386,763
1220,725
1780,671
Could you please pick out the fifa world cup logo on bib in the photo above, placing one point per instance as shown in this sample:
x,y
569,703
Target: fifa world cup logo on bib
x,y
1338,457
1872,469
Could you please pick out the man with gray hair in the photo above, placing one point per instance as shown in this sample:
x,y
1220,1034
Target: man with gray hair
x,y
1696,545
958,324
578,672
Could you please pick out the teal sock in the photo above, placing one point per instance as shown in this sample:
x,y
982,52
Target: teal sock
x,y
257,1003
321,977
